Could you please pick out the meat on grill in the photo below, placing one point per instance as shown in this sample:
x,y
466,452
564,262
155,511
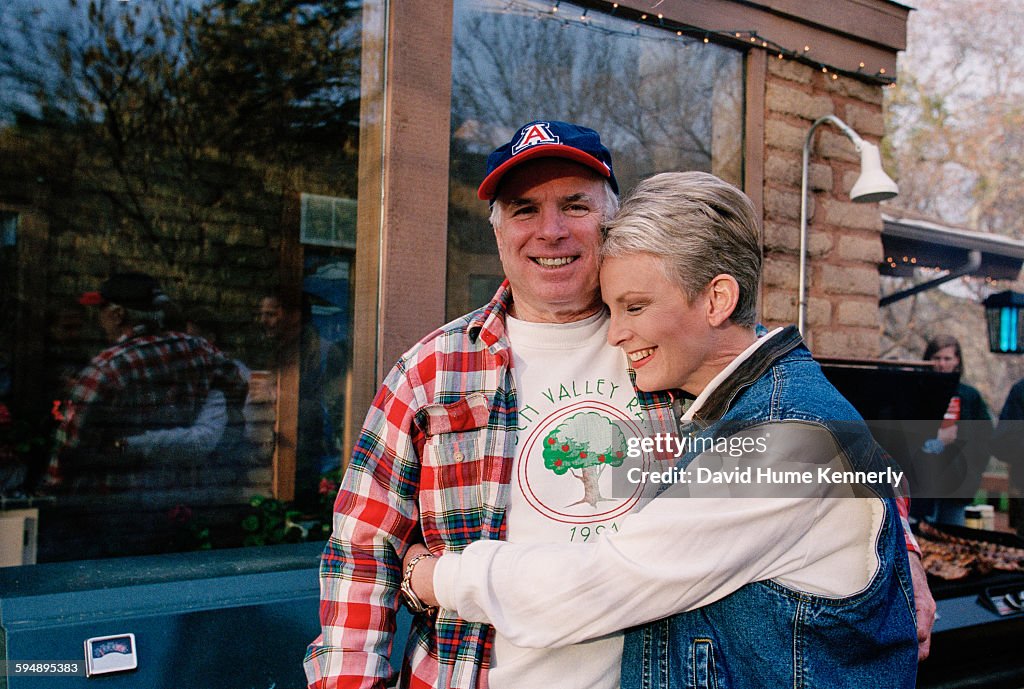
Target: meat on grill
x,y
951,557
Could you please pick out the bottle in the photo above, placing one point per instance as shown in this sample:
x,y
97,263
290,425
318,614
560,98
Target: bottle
x,y
952,414
973,518
988,517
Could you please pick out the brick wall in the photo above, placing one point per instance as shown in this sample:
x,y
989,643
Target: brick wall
x,y
844,239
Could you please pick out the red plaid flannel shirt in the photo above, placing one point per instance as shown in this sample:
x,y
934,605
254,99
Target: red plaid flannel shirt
x,y
141,383
434,458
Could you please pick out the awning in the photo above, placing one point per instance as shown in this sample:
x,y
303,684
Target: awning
x,y
914,242
911,243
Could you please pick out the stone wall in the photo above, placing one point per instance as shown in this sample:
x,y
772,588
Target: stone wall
x,y
844,238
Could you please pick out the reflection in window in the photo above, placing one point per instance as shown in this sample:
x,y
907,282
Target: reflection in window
x,y
660,102
172,139
328,221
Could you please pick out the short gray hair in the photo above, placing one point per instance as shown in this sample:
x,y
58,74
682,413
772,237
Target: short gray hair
x,y
611,205
700,226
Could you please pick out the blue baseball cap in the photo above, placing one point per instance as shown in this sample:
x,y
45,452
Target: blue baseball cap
x,y
547,139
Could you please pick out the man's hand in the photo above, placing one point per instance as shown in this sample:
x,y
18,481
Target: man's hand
x,y
422,580
924,604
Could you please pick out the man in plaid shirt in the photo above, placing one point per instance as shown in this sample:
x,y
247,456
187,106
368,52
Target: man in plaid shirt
x,y
445,452
147,379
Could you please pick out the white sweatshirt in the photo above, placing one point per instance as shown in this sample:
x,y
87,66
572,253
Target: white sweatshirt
x,y
675,554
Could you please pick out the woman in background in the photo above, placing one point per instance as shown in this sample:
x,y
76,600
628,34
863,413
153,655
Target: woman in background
x,y
960,448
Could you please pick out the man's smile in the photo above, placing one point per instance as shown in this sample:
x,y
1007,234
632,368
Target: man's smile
x,y
554,262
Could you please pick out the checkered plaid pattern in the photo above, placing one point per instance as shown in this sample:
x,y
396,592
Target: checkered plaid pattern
x,y
141,383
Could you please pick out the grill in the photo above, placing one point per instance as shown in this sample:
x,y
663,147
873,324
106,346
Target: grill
x,y
972,645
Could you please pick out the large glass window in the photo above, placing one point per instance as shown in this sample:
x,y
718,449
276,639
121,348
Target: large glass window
x,y
177,212
660,102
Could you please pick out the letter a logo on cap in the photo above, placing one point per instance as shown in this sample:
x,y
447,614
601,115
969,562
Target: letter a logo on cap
x,y
536,133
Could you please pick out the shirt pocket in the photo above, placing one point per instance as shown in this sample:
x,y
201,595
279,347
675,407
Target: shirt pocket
x,y
452,468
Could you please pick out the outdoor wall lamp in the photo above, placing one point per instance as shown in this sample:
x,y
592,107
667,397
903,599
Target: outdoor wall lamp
x,y
1005,315
872,186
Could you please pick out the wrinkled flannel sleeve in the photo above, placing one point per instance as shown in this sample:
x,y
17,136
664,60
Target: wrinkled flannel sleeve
x,y
902,500
375,515
87,392
903,506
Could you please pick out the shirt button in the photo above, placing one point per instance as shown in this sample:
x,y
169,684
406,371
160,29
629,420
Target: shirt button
x,y
459,456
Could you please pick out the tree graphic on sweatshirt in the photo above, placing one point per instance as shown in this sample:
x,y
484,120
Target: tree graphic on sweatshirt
x,y
583,446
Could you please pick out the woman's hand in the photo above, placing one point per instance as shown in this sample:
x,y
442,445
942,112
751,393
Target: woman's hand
x,y
422,579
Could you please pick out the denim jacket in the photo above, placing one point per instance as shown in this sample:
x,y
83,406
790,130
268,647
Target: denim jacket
x,y
766,634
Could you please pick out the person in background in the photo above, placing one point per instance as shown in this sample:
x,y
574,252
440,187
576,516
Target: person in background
x,y
956,458
322,365
217,432
148,379
1008,447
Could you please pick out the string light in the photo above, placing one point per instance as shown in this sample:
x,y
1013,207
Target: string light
x,y
781,52
912,262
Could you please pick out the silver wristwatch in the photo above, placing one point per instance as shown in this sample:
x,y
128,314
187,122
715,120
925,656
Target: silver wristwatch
x,y
412,601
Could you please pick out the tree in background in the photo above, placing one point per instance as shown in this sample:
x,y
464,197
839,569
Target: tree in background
x,y
956,116
955,124
157,135
199,101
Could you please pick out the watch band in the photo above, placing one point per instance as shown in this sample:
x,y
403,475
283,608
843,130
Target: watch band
x,y
412,601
